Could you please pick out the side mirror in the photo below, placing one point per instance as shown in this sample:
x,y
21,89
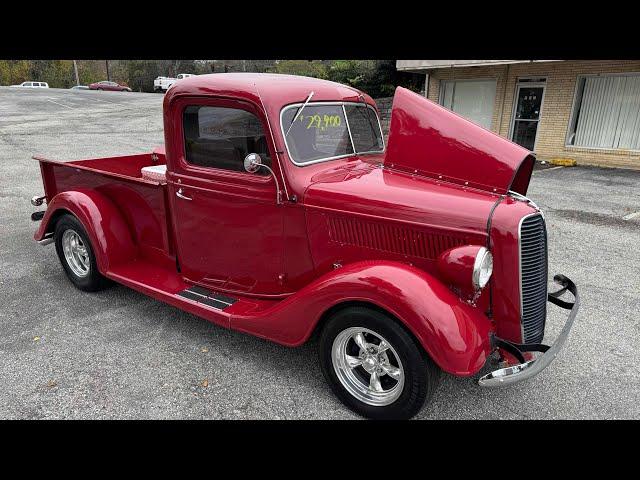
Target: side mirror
x,y
252,162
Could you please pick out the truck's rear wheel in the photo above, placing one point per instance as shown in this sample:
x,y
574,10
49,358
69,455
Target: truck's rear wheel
x,y
374,366
76,255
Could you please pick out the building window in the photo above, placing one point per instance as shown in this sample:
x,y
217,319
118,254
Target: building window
x,y
606,113
473,99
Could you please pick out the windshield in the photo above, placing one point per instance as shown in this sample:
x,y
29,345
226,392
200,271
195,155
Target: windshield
x,y
326,131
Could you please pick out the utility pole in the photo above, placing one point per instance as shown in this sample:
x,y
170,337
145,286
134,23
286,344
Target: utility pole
x,y
75,69
108,76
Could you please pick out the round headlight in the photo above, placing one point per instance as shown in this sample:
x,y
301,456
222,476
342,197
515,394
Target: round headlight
x,y
482,268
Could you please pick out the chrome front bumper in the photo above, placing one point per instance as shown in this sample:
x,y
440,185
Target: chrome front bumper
x,y
526,370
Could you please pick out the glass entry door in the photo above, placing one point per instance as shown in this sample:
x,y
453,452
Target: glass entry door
x,y
527,114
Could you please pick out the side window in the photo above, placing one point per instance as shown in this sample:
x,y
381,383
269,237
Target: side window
x,y
220,137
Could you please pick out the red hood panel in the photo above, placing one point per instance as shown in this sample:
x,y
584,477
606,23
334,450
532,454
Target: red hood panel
x,y
363,189
434,141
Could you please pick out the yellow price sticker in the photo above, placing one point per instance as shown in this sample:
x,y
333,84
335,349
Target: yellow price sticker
x,y
321,122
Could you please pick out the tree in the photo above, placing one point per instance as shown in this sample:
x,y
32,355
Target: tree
x,y
91,71
301,67
355,73
142,73
57,73
378,78
13,72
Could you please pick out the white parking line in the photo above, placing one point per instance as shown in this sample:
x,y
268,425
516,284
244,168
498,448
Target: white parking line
x,y
61,104
103,100
548,169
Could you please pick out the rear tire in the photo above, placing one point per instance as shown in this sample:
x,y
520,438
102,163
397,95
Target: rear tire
x,y
76,255
406,377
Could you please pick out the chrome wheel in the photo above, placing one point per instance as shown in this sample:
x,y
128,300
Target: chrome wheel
x,y
367,366
75,253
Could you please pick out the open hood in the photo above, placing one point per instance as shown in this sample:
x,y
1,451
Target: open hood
x,y
430,140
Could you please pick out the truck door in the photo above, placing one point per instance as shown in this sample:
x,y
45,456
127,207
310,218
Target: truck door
x,y
228,224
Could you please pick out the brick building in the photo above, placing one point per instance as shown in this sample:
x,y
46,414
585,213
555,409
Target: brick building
x,y
588,111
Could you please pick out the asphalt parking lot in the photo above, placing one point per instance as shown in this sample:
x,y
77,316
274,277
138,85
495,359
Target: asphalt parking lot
x,y
119,354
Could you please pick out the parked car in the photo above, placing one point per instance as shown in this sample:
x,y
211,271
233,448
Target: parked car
x,y
33,85
79,87
163,83
107,85
274,209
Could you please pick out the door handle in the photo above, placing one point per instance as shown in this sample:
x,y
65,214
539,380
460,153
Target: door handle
x,y
179,194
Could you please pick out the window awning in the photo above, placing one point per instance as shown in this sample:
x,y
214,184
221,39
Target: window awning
x,y
421,65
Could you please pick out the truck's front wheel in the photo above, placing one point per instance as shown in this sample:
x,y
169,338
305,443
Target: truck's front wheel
x,y
374,366
76,255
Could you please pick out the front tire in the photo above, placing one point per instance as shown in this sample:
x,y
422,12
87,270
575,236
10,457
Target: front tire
x,y
76,255
374,366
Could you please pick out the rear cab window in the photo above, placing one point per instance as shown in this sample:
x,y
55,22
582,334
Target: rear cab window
x,y
221,137
330,130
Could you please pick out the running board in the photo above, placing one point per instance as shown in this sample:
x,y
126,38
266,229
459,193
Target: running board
x,y
207,297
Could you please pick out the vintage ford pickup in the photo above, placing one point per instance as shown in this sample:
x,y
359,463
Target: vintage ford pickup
x,y
275,209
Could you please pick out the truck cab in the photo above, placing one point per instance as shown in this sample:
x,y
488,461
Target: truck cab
x,y
276,208
164,83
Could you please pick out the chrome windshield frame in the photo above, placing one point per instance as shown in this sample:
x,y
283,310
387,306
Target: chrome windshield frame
x,y
326,159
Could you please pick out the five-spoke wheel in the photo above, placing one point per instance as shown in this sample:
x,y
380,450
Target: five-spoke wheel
x,y
76,255
75,252
367,366
374,365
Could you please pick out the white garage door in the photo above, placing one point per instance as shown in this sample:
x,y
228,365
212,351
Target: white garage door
x,y
473,99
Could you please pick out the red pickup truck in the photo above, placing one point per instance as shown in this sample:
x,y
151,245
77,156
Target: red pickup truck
x,y
276,209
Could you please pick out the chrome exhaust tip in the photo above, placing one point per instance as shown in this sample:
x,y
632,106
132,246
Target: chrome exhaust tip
x,y
36,201
47,240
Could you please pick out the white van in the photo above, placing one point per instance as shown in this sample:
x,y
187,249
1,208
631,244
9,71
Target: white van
x,y
33,85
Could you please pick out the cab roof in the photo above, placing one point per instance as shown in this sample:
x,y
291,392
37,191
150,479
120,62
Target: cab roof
x,y
276,90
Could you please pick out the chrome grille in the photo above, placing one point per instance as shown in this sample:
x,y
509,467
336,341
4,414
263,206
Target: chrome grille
x,y
533,277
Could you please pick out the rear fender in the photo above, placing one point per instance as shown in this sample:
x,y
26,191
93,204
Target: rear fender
x,y
455,334
106,227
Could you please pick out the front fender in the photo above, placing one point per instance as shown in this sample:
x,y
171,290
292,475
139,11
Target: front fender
x,y
108,231
455,334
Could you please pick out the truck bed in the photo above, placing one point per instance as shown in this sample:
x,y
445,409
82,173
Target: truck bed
x,y
142,201
127,167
